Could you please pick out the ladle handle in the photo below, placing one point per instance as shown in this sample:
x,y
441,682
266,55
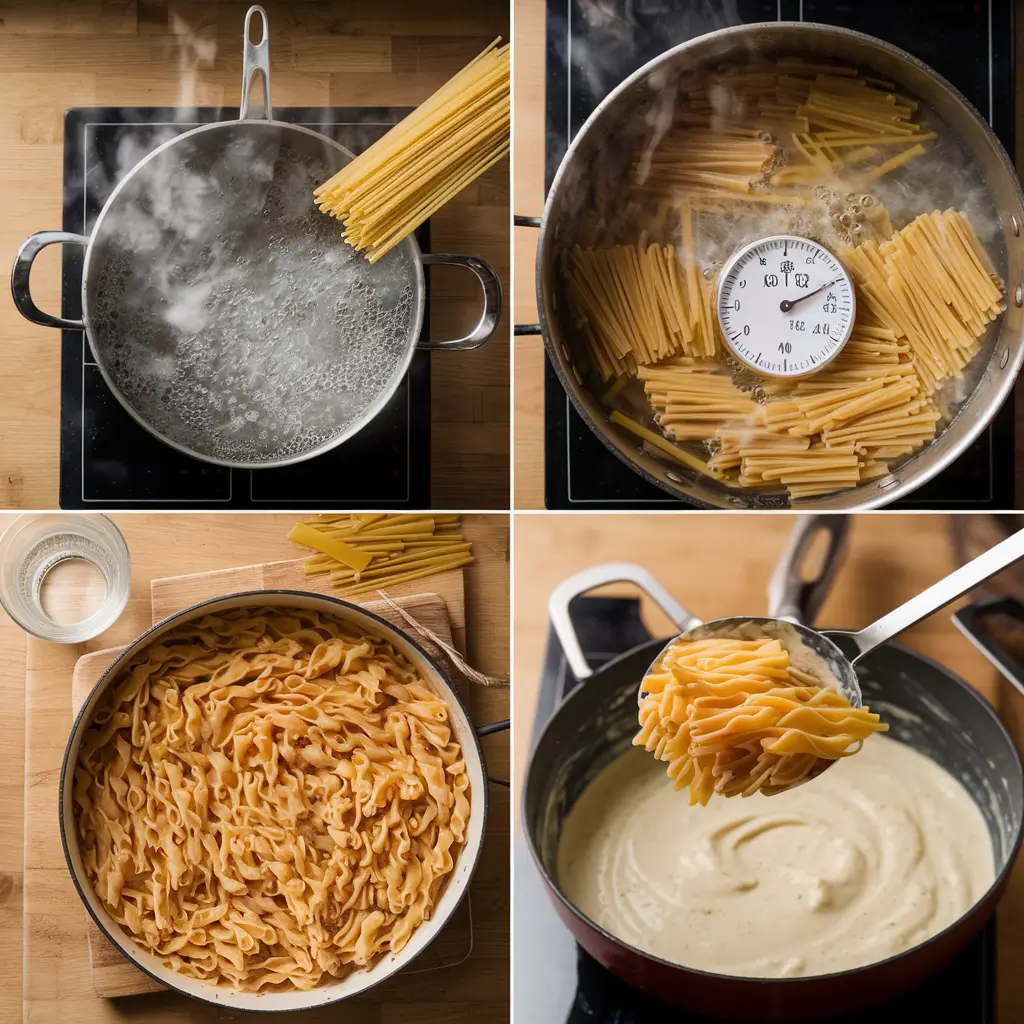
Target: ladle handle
x,y
937,596
793,597
597,576
256,60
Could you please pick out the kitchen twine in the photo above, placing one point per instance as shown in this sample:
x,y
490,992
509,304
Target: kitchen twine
x,y
441,650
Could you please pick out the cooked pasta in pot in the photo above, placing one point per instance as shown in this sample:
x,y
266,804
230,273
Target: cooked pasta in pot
x,y
268,797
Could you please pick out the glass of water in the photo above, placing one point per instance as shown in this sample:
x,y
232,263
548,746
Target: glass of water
x,y
89,591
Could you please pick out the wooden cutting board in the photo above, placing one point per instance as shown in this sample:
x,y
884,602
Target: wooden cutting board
x,y
56,957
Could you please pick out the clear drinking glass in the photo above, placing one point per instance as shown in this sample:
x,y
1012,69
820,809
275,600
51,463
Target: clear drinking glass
x,y
33,545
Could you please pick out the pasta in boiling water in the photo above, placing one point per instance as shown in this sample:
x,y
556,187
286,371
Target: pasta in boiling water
x,y
735,717
778,147
267,797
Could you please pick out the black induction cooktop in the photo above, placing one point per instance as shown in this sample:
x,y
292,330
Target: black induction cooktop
x,y
556,982
968,41
108,460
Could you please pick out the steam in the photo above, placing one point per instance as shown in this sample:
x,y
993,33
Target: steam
x,y
229,311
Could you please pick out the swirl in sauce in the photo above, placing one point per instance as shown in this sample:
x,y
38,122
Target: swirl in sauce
x,y
881,852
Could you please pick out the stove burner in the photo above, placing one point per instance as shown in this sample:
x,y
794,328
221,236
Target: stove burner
x,y
971,44
107,459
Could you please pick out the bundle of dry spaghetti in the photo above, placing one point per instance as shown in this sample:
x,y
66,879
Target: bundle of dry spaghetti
x,y
267,797
390,189
735,717
364,552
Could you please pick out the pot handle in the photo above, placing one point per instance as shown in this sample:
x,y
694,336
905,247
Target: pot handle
x,y
256,60
611,572
488,730
790,595
492,301
526,222
22,271
969,621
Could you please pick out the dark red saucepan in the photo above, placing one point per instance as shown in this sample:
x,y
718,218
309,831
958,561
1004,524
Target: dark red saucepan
x,y
926,706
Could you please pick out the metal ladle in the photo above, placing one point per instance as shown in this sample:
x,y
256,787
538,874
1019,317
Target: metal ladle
x,y
825,644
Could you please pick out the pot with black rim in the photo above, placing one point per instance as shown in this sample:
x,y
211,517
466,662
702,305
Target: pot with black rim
x,y
227,315
331,990
598,145
927,708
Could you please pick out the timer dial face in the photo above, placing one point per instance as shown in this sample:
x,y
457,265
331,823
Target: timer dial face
x,y
785,305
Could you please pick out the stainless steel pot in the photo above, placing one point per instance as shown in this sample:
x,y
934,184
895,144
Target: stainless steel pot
x,y
254,375
332,990
590,148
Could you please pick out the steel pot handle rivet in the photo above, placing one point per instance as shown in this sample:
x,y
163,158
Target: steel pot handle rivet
x,y
597,576
256,60
22,271
492,301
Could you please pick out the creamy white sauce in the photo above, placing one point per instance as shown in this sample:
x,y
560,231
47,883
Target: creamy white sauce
x,y
879,853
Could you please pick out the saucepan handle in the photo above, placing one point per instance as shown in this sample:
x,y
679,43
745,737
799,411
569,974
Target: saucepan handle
x,y
970,621
488,730
256,60
22,271
492,301
526,222
597,576
793,597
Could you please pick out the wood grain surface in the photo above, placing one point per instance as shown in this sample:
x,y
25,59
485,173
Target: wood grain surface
x,y
165,53
163,545
719,564
528,145
113,975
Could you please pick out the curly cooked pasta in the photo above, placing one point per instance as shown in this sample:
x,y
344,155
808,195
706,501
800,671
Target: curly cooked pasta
x,y
267,797
734,717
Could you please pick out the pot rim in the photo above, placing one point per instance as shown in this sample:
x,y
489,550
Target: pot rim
x,y
368,414
991,892
822,502
452,696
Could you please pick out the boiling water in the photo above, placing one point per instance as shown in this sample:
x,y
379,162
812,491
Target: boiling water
x,y
612,207
230,313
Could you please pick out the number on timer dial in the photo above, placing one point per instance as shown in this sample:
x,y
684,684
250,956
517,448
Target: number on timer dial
x,y
785,305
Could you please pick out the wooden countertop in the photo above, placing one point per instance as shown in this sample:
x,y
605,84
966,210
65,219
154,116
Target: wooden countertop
x,y
169,544
719,564
157,53
528,352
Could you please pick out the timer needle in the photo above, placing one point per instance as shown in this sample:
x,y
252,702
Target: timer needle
x,y
787,304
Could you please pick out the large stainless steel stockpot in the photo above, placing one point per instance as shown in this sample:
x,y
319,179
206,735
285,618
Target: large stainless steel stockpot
x,y
595,147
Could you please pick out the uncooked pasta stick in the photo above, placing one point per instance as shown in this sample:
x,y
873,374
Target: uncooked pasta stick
x,y
391,188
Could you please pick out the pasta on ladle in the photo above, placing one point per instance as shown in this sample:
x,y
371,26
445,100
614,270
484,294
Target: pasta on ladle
x,y
267,797
735,717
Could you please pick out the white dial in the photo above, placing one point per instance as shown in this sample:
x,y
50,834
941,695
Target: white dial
x,y
785,305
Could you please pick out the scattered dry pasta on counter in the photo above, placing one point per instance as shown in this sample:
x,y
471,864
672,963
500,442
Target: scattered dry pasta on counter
x,y
734,717
365,552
